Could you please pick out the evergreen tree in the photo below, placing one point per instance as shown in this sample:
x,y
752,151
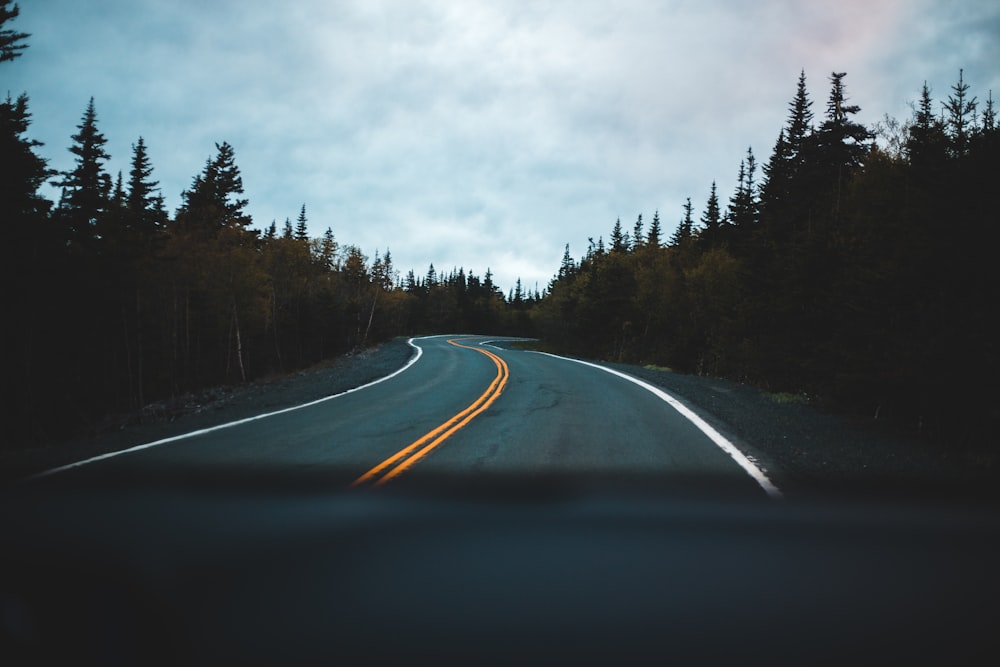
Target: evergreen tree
x,y
989,115
328,250
840,144
87,187
10,46
25,171
778,191
653,238
567,267
685,229
144,203
618,239
959,121
637,238
743,205
926,142
711,219
799,125
213,202
301,226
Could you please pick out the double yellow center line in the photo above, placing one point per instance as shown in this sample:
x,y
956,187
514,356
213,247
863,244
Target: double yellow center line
x,y
402,460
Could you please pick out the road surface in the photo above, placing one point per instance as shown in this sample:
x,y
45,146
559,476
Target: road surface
x,y
186,551
463,407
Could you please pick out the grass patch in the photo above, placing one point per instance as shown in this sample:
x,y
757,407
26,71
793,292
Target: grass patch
x,y
786,398
532,344
654,367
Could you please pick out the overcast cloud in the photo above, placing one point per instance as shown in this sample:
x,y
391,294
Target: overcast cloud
x,y
476,134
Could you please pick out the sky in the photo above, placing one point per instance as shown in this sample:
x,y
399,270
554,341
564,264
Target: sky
x,y
482,135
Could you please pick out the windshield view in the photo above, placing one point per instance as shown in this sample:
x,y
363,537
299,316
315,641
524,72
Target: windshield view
x,y
499,332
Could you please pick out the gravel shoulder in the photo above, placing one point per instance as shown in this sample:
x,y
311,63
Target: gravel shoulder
x,y
805,449
801,447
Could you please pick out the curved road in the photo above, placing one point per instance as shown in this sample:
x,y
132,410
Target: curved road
x,y
118,570
463,406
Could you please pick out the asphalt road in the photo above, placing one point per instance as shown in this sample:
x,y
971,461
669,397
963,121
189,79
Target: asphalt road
x,y
186,552
463,408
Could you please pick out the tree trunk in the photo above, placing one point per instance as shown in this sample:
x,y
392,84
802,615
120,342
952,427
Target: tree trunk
x,y
239,344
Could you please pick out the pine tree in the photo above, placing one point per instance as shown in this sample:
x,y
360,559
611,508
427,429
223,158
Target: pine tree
x,y
685,229
10,48
743,205
779,189
989,115
840,144
25,171
926,143
637,238
30,267
87,187
711,219
960,108
301,226
146,212
618,239
567,267
653,238
213,202
328,250
799,125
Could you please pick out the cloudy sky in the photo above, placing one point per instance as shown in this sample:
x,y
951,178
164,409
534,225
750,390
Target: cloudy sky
x,y
476,134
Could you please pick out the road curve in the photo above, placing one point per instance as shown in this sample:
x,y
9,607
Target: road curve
x,y
463,407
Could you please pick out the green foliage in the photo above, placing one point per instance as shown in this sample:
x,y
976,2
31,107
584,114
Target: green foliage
x,y
854,275
118,304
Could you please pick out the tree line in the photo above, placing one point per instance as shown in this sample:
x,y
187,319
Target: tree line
x,y
856,266
113,303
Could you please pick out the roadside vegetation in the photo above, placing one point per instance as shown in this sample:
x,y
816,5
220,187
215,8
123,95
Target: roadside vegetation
x,y
855,266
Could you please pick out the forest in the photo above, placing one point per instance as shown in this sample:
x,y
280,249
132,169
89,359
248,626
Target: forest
x,y
113,303
852,268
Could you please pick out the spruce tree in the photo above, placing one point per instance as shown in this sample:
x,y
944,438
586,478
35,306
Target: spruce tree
x,y
799,125
301,226
25,171
10,46
960,110
779,189
86,187
685,229
653,238
711,219
618,239
840,144
637,238
744,205
146,212
213,202
926,144
567,267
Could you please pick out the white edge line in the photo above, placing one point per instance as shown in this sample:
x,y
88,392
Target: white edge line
x,y
238,422
742,459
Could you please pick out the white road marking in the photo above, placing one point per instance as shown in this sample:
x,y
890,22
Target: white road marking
x,y
238,422
744,461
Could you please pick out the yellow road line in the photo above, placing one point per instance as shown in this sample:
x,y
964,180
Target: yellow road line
x,y
409,455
